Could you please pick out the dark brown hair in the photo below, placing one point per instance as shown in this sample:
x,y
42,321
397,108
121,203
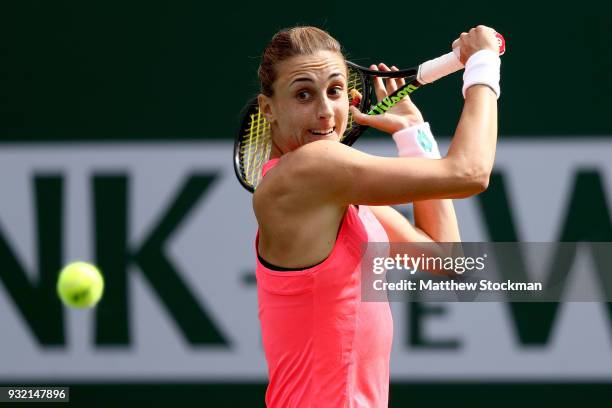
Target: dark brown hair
x,y
291,42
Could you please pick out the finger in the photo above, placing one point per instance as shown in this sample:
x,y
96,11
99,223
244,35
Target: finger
x,y
375,121
360,117
399,82
355,97
357,115
463,40
379,87
389,82
459,40
484,29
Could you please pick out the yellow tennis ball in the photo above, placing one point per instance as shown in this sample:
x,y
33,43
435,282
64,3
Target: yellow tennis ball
x,y
80,285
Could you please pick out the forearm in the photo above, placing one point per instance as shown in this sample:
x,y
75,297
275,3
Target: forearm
x,y
437,219
476,135
474,143
434,219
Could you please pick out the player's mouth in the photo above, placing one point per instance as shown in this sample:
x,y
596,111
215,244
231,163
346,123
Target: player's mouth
x,y
322,132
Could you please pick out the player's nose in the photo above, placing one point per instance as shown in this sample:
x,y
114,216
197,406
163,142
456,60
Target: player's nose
x,y
325,110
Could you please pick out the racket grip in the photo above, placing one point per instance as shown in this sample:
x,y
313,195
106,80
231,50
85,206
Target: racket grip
x,y
437,68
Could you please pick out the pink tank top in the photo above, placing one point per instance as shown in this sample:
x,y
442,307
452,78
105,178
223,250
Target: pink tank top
x,y
324,347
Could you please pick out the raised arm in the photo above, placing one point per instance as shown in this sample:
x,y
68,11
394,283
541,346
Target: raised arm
x,y
336,173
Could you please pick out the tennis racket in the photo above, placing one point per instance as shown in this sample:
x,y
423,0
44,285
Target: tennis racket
x,y
253,142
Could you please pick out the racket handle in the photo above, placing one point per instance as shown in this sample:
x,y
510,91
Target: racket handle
x,y
437,68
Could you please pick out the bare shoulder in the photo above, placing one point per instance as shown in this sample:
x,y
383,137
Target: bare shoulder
x,y
322,155
307,175
288,224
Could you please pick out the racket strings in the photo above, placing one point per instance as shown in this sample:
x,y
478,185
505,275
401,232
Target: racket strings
x,y
255,147
354,81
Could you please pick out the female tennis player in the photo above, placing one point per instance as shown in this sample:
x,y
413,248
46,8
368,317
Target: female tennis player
x,y
320,200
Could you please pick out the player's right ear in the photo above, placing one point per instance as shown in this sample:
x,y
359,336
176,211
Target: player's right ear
x,y
265,107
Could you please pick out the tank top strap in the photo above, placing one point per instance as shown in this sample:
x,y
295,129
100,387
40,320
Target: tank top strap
x,y
268,165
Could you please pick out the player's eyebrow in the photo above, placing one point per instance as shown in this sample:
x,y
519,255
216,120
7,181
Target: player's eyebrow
x,y
308,79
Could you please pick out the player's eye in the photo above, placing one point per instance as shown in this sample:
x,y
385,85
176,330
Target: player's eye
x,y
303,96
335,91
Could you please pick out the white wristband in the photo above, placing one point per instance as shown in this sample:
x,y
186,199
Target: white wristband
x,y
482,68
417,141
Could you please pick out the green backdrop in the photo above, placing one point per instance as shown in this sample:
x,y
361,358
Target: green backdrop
x,y
183,69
